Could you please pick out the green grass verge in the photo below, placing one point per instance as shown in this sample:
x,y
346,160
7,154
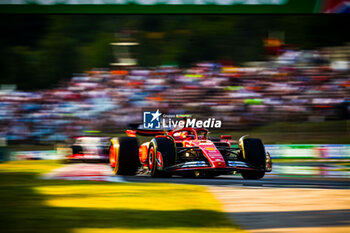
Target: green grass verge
x,y
29,204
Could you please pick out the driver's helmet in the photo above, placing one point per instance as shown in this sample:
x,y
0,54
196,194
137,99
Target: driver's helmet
x,y
184,134
187,135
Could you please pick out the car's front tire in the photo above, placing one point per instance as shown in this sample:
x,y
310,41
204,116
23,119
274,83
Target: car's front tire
x,y
166,157
253,152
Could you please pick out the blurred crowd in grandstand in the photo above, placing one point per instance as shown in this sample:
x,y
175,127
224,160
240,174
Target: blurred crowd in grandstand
x,y
296,86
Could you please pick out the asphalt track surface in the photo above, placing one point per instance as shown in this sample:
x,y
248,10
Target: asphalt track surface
x,y
277,204
272,204
267,181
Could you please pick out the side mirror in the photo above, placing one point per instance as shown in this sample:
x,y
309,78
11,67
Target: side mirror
x,y
226,137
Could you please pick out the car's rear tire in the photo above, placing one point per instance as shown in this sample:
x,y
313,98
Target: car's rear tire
x,y
252,175
125,152
167,158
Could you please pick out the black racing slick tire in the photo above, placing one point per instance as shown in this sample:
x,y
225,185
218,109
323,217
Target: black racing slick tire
x,y
167,158
252,175
254,153
126,156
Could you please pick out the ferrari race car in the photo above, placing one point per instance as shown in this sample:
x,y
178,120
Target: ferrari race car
x,y
188,152
86,148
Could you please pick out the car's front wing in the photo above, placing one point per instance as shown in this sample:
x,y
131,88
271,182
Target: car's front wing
x,y
203,165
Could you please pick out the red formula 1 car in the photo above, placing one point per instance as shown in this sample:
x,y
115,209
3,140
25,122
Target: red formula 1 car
x,y
188,152
87,148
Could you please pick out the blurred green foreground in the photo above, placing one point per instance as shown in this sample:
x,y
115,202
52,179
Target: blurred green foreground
x,y
29,204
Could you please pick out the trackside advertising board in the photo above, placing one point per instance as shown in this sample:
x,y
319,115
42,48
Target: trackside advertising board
x,y
309,151
160,6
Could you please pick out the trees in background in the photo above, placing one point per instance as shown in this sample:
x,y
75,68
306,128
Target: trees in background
x,y
38,51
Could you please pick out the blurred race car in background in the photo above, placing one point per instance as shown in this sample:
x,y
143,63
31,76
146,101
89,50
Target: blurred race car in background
x,y
188,152
88,148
